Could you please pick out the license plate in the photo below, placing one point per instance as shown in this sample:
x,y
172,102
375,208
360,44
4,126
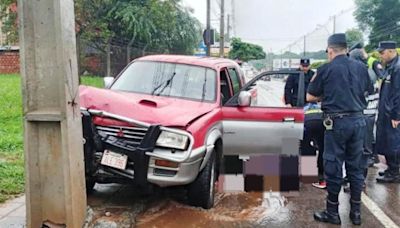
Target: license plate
x,y
114,160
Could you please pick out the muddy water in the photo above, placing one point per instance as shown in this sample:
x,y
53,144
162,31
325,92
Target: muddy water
x,y
231,210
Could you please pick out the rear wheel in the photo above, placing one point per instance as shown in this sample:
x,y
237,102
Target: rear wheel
x,y
201,192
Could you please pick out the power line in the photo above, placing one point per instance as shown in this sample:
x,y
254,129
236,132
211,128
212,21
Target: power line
x,y
319,27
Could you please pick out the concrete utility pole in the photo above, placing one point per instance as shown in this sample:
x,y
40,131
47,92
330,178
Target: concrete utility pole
x,y
208,32
228,28
222,30
233,18
54,167
304,50
334,24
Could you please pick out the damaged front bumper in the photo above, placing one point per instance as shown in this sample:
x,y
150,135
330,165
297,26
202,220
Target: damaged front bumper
x,y
146,161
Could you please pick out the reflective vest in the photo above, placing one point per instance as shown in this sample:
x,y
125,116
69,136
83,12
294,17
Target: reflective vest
x,y
370,62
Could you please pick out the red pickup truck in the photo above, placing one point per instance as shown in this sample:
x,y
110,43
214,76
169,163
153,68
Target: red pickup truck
x,y
168,121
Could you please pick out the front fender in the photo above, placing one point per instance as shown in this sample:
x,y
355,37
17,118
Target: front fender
x,y
212,137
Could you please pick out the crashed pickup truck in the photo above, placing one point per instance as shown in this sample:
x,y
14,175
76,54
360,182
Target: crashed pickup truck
x,y
168,120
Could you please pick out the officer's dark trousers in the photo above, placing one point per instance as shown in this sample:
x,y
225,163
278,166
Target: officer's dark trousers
x,y
345,144
393,163
369,135
388,144
314,131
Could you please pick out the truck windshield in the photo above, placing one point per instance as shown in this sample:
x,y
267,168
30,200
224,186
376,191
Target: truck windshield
x,y
168,79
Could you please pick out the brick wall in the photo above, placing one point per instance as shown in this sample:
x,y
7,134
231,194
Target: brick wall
x,y
9,61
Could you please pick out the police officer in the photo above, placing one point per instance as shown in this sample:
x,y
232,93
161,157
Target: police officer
x,y
341,84
292,83
314,130
375,69
375,72
388,130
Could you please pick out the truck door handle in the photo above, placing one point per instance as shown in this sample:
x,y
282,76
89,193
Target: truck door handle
x,y
288,119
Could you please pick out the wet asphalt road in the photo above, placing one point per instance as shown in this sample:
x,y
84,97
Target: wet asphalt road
x,y
124,207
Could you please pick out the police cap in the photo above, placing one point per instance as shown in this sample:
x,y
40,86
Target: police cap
x,y
337,40
357,45
383,45
305,61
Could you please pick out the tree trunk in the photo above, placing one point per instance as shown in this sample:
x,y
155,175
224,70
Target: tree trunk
x,y
128,49
144,50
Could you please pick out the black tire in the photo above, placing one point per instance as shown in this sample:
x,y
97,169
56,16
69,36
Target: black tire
x,y
202,191
90,184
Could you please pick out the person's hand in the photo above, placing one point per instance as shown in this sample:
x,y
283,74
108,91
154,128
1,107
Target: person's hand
x,y
395,123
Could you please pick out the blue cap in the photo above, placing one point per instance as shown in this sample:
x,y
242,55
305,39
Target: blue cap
x,y
305,61
383,45
337,40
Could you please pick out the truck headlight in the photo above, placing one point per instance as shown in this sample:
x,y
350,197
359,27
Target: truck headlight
x,y
172,140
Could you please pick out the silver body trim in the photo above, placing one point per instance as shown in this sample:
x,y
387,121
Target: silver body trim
x,y
183,158
258,137
214,134
185,173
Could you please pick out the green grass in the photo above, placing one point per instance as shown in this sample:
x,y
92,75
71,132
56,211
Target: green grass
x,y
93,81
11,146
11,136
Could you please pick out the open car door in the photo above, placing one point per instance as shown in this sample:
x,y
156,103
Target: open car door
x,y
256,120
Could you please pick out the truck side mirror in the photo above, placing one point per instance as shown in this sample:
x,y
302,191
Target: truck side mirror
x,y
244,99
108,81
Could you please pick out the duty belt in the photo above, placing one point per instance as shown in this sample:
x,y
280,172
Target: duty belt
x,y
342,114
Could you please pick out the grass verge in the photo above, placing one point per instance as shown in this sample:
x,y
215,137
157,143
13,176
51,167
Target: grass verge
x,y
11,137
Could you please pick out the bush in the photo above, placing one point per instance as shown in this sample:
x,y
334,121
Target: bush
x,y
316,65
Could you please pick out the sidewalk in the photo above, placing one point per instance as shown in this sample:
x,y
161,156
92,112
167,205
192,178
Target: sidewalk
x,y
12,213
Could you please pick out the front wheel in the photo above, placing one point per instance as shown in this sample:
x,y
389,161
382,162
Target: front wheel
x,y
90,182
201,192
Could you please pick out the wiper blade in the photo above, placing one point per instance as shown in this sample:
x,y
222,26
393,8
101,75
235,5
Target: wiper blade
x,y
164,84
204,86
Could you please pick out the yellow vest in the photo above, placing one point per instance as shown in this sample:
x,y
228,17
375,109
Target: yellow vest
x,y
313,111
370,62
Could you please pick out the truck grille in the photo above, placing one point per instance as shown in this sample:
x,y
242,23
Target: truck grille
x,y
132,134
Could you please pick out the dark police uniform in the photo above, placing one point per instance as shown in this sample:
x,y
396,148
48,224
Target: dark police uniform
x,y
292,84
375,72
342,85
314,131
388,138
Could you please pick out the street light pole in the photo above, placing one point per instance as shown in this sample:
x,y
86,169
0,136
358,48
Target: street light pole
x,y
208,37
222,36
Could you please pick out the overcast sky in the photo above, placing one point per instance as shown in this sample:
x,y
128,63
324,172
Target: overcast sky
x,y
275,24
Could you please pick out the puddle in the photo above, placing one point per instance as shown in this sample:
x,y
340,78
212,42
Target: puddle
x,y
231,209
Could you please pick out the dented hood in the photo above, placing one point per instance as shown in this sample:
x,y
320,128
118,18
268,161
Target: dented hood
x,y
166,111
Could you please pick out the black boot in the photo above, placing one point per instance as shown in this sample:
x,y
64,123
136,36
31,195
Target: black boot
x,y
355,212
389,178
330,215
383,173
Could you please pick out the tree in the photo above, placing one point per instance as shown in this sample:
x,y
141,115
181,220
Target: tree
x,y
380,18
136,17
8,15
316,55
354,36
94,29
162,26
245,51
